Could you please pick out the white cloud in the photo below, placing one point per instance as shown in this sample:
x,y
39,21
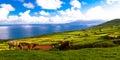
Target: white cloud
x,y
75,4
4,11
63,16
44,13
7,7
103,13
13,17
66,16
28,5
49,4
95,13
28,19
72,14
113,13
25,16
113,9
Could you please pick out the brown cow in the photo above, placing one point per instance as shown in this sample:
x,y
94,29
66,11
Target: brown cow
x,y
43,47
40,47
31,46
65,45
26,46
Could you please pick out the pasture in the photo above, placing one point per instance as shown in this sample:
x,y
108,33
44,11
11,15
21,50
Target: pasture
x,y
90,44
81,54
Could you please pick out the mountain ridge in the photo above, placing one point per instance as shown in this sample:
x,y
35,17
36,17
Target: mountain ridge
x,y
114,22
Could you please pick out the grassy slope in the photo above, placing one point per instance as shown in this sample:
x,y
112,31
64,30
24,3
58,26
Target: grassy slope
x,y
86,36
82,54
91,35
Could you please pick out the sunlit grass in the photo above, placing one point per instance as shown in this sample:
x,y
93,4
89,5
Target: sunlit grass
x,y
82,54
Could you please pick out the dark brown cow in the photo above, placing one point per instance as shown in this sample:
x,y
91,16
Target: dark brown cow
x,y
65,45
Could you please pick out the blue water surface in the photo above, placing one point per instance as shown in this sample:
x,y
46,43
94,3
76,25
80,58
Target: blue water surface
x,y
23,31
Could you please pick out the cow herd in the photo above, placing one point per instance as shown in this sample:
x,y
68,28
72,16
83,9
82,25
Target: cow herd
x,y
32,46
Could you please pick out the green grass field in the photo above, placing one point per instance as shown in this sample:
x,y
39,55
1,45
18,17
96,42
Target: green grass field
x,y
81,54
88,44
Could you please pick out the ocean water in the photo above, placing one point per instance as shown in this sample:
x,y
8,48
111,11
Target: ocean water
x,y
23,31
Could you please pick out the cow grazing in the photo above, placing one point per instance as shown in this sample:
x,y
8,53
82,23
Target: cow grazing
x,y
13,44
64,45
43,47
31,46
26,46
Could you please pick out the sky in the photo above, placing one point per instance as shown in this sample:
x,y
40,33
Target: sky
x,y
57,11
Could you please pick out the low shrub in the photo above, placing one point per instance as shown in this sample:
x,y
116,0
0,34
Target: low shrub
x,y
93,45
117,42
103,45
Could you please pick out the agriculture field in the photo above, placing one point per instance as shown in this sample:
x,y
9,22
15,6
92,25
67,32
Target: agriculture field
x,y
100,42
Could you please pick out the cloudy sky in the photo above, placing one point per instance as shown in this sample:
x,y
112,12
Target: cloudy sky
x,y
57,11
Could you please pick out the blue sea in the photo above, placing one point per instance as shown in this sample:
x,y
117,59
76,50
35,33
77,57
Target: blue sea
x,y
23,31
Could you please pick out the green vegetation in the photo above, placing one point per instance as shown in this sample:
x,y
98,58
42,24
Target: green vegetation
x,y
82,54
111,23
97,43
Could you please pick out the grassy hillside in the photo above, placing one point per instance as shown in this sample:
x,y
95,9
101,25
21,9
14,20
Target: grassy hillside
x,y
111,23
100,42
80,37
90,35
